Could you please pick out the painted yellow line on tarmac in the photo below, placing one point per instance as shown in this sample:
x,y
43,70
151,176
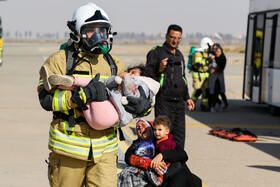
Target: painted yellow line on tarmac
x,y
233,126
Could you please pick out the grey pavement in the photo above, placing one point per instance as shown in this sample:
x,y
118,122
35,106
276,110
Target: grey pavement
x,y
218,162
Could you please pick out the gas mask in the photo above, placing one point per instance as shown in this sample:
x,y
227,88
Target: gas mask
x,y
95,39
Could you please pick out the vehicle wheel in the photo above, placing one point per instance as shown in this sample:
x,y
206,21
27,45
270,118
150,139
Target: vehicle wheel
x,y
273,110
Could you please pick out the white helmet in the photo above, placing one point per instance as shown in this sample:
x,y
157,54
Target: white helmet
x,y
205,43
90,15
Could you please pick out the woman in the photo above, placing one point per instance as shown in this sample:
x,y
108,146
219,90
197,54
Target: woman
x,y
216,79
178,174
138,172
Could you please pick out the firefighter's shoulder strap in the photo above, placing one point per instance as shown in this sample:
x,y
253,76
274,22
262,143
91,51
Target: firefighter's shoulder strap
x,y
111,63
71,56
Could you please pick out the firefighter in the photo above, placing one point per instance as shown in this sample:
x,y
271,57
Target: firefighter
x,y
1,51
200,74
1,43
81,155
257,58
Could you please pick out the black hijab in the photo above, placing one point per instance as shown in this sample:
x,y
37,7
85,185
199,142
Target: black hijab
x,y
221,60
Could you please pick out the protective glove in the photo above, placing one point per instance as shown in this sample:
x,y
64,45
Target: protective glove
x,y
198,66
205,68
140,106
94,91
140,161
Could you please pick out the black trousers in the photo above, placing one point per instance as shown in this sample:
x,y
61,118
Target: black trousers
x,y
175,110
183,177
214,98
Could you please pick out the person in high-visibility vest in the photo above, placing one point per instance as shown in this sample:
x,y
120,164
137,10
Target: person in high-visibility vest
x,y
1,51
1,43
81,155
256,65
200,73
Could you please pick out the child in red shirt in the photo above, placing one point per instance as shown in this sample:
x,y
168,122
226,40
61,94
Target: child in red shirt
x,y
164,140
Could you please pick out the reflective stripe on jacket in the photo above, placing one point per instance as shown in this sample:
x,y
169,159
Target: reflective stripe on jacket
x,y
79,147
201,75
202,71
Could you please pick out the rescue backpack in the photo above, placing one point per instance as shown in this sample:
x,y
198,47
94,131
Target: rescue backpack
x,y
192,51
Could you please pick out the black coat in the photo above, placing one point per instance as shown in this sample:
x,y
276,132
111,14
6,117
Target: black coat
x,y
221,61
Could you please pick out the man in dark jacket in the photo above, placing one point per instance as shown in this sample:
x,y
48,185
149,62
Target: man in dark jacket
x,y
166,64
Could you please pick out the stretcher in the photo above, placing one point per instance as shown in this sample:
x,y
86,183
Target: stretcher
x,y
235,134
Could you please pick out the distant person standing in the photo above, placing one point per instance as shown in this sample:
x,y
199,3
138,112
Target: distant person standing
x,y
200,72
166,64
216,79
215,46
1,43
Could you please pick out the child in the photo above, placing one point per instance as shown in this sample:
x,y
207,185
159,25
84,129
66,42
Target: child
x,y
101,115
163,139
138,157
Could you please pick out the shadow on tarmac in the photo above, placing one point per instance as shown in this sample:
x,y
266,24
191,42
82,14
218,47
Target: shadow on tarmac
x,y
271,168
269,148
245,114
239,113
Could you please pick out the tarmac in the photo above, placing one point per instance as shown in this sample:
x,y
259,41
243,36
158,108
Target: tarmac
x,y
218,162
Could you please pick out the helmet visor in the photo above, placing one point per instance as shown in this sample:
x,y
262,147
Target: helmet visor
x,y
94,35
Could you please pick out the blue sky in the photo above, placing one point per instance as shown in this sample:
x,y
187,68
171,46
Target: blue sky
x,y
149,16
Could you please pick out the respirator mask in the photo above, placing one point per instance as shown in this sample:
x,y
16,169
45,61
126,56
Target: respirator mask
x,y
95,39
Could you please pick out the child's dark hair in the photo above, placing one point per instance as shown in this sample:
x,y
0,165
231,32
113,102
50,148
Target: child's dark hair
x,y
163,120
139,66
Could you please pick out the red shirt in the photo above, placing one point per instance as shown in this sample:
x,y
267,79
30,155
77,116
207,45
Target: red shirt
x,y
166,143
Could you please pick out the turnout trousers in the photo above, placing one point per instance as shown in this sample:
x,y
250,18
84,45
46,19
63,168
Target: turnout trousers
x,y
175,110
64,171
200,88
